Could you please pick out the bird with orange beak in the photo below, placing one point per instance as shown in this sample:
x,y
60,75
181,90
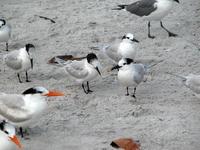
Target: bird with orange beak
x,y
24,109
8,139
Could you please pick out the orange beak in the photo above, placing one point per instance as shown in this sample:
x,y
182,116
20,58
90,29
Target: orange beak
x,y
15,140
54,93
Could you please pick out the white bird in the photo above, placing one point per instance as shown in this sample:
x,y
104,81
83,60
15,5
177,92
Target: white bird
x,y
23,109
8,138
130,74
5,32
20,60
191,81
151,10
82,69
120,48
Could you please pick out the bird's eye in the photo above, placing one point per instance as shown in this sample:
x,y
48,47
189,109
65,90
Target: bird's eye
x,y
124,63
127,37
6,132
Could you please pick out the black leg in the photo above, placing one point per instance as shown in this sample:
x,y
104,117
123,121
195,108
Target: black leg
x,y
20,81
6,46
27,80
84,89
21,132
134,93
127,93
88,90
169,33
149,32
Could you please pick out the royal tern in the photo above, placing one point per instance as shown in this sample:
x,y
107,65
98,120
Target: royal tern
x,y
20,60
23,109
151,10
5,32
8,139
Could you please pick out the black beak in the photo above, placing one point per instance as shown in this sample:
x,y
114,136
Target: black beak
x,y
135,40
98,70
31,63
115,67
177,1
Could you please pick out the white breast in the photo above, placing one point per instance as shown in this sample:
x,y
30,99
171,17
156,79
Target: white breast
x,y
26,63
163,8
127,49
5,143
4,34
92,73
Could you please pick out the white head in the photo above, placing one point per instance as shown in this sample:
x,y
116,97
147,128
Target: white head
x,y
9,130
129,37
42,91
123,62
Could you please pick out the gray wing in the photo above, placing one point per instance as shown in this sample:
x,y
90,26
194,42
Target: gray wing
x,y
139,72
77,69
111,51
12,60
193,82
11,107
142,8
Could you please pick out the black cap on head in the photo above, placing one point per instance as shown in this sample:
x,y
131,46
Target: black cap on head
x,y
129,60
31,91
29,46
2,124
91,56
4,21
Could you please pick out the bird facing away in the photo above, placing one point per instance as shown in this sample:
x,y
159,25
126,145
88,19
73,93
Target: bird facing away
x,y
82,70
5,32
23,109
130,74
120,48
8,138
191,81
151,10
20,60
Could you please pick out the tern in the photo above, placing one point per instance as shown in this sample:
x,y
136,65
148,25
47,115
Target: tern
x,y
151,10
8,138
20,60
23,109
5,32
83,69
130,74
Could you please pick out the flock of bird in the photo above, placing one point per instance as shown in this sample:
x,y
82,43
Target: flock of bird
x,y
19,110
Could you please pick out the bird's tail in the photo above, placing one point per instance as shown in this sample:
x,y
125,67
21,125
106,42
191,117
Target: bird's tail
x,y
179,76
120,7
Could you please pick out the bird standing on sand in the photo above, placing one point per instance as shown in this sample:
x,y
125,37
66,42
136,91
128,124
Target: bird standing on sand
x,y
8,139
5,32
82,69
151,10
130,74
20,60
23,109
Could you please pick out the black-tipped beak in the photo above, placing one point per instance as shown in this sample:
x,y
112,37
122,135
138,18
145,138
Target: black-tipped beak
x,y
177,1
115,67
135,40
31,63
98,70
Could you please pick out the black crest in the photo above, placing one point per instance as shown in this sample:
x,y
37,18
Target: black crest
x,y
4,22
91,56
2,124
129,61
28,46
31,91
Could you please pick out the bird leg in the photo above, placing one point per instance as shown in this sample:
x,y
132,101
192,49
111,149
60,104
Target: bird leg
x,y
84,88
6,46
149,32
127,93
20,81
89,91
169,33
27,80
21,132
134,93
